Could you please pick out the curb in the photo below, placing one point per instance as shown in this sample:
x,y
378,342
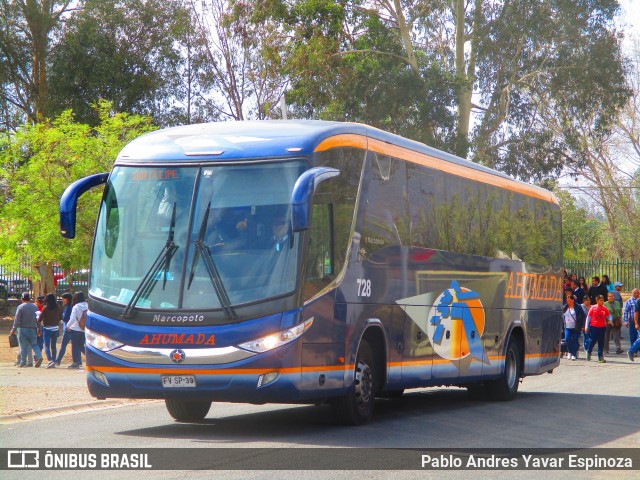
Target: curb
x,y
66,410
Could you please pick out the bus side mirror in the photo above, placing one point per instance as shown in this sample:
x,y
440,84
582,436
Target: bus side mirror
x,y
302,196
69,201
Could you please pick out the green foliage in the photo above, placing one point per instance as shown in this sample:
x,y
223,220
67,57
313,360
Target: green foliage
x,y
125,52
537,70
583,235
361,74
546,68
38,163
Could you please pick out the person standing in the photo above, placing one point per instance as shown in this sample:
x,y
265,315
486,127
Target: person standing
x,y
567,281
596,289
50,321
40,305
582,283
573,319
613,326
596,326
577,292
606,281
586,338
635,346
66,334
629,310
25,324
617,293
77,333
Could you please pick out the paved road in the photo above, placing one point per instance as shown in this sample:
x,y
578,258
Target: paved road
x,y
580,405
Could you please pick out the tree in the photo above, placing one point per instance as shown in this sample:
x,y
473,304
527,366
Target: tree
x,y
25,38
241,75
512,69
38,163
608,165
129,53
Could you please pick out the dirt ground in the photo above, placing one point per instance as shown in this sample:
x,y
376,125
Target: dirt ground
x,y
31,389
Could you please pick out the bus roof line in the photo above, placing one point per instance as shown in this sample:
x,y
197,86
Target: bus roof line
x,y
481,174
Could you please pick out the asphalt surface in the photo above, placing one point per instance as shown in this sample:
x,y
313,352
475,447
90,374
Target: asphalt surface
x,y
581,405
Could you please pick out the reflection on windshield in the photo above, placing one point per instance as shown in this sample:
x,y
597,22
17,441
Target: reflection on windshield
x,y
247,233
247,236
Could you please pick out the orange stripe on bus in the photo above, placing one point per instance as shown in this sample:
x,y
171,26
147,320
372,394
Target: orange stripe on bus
x,y
348,140
412,363
199,371
548,354
342,140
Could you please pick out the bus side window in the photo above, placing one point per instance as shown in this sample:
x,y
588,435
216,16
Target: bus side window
x,y
319,271
386,221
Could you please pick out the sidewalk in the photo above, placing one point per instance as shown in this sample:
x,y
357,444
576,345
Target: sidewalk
x,y
28,393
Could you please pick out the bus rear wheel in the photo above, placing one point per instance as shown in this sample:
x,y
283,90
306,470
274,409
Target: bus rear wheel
x,y
506,387
356,407
187,410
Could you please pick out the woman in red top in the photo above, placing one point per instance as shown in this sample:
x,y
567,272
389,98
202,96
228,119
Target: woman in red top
x,y
596,325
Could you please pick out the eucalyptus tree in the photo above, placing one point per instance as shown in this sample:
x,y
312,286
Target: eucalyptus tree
x,y
130,53
26,30
240,73
504,68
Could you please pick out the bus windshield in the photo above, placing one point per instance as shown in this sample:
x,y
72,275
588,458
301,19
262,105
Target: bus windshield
x,y
205,238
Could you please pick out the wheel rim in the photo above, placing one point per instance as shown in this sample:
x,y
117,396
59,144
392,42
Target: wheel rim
x,y
363,385
511,369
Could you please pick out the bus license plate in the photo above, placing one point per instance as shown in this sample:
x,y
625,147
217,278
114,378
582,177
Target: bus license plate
x,y
178,381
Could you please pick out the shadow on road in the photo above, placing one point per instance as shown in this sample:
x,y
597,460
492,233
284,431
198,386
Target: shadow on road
x,y
433,418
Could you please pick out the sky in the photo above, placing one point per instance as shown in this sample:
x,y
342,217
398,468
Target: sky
x,y
632,9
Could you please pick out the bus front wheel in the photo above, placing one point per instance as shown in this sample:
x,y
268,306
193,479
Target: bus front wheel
x,y
506,387
356,407
187,410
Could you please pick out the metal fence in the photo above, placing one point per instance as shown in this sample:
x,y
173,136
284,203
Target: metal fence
x,y
625,271
13,282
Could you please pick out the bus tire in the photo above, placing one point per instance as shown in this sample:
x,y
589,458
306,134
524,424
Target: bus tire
x,y
187,410
505,388
356,407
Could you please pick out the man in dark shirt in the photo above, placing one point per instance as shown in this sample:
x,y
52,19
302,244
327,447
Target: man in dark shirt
x,y
596,289
577,292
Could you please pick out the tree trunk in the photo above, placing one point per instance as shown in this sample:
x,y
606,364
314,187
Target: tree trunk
x,y
466,73
46,284
406,37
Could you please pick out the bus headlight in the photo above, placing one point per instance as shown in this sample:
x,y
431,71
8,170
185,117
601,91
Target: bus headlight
x,y
275,340
102,343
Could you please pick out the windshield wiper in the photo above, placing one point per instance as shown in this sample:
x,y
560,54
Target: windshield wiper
x,y
202,250
163,261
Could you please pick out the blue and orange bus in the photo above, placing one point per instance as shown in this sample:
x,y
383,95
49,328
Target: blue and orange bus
x,y
313,262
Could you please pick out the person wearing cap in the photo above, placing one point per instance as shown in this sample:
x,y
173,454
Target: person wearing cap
x,y
25,325
616,293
